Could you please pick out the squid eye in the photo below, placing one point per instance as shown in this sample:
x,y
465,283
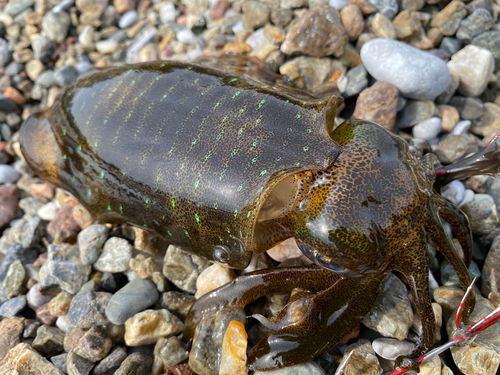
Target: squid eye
x,y
323,261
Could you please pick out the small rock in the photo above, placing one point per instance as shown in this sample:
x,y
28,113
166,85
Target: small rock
x,y
462,127
329,36
15,96
482,213
6,104
452,148
186,36
171,351
382,27
403,66
182,268
206,348
449,117
391,315
87,309
43,315
144,267
56,26
59,361
489,124
234,350
107,46
59,305
23,359
490,281
135,364
427,129
450,278
477,23
73,336
92,8
450,90
128,19
65,75
115,256
255,14
167,13
469,108
392,348
357,81
454,192
8,174
94,344
123,6
77,365
5,53
148,326
451,45
363,359
213,277
11,329
474,66
8,206
90,241
489,40
137,295
407,24
352,19
415,112
176,302
35,298
449,18
49,341
13,283
112,362
12,307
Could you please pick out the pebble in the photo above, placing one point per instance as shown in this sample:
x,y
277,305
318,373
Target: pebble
x,y
135,364
90,242
48,211
392,348
16,252
8,207
8,174
65,75
115,256
107,46
454,192
482,213
59,305
128,19
137,295
382,27
87,309
6,104
489,124
24,359
56,26
27,232
64,268
449,117
13,284
449,18
489,40
112,362
167,13
450,278
77,365
360,358
182,268
415,73
391,315
176,302
234,350
451,148
5,53
255,14
94,344
49,341
469,108
352,19
213,277
308,368
35,299
415,112
171,351
148,326
427,129
490,281
407,24
328,38
59,361
475,24
357,81
474,66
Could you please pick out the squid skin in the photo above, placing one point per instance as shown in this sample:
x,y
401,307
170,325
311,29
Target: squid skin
x,y
226,164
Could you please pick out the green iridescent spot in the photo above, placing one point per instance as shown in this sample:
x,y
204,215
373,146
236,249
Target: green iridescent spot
x,y
64,132
306,148
102,174
109,207
158,178
189,68
170,234
196,80
278,158
173,203
235,213
215,205
240,187
254,160
234,79
89,192
95,144
228,230
263,172
79,147
147,201
298,115
304,103
236,94
121,209
64,156
248,214
187,234
145,225
196,184
262,102
309,130
197,218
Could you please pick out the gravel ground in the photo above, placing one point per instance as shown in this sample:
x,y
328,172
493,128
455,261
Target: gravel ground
x,y
77,297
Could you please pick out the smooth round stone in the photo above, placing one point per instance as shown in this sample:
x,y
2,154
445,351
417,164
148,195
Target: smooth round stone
x,y
128,19
41,49
392,348
337,4
86,37
416,74
427,129
65,75
83,66
482,213
48,211
56,26
63,6
468,197
454,192
5,53
452,45
8,174
107,46
186,36
6,104
388,8
46,79
461,127
452,147
129,300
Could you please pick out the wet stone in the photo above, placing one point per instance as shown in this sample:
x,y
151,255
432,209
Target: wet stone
x,y
10,334
49,341
87,309
329,38
490,281
427,129
392,348
13,283
94,345
176,302
112,362
213,277
452,148
403,65
363,359
90,242
477,23
148,326
115,256
469,108
449,18
135,364
482,213
13,253
64,268
171,351
391,315
136,296
207,342
450,278
23,359
182,268
77,365
13,306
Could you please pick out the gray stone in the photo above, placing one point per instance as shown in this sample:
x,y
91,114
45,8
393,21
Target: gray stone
x,y
416,74
42,49
136,296
135,364
482,213
449,18
90,241
13,285
60,361
171,351
13,306
177,303
469,108
454,192
31,205
56,26
491,41
450,44
77,365
87,309
6,104
46,79
94,344
388,8
450,278
8,174
49,341
128,19
452,148
112,362
357,81
115,256
183,268
427,129
16,252
490,281
308,368
391,315
65,75
63,268
5,53
477,23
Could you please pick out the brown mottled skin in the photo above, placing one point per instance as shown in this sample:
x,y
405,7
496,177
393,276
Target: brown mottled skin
x,y
194,153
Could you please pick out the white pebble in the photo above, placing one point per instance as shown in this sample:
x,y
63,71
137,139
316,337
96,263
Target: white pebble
x,y
83,67
454,192
213,277
186,36
468,197
168,13
8,174
139,44
128,19
63,5
392,348
63,323
48,211
461,127
427,129
285,250
106,46
338,4
238,27
195,53
256,38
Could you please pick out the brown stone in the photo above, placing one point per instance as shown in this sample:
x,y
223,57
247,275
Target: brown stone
x,y
378,103
43,315
449,117
315,34
72,337
421,41
407,25
82,216
123,6
144,267
365,6
239,48
435,36
10,334
59,305
8,203
15,96
382,27
44,190
63,220
180,369
219,9
353,21
49,341
94,345
449,18
23,359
